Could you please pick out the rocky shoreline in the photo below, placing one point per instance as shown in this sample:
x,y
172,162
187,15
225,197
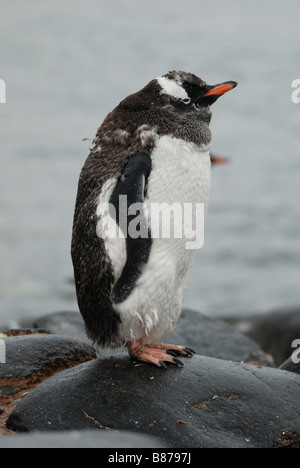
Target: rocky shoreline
x,y
240,390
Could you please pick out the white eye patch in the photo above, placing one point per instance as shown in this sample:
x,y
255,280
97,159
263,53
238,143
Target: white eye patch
x,y
173,89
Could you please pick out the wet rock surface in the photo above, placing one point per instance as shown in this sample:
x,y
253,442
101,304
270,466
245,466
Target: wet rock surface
x,y
207,335
274,332
63,323
28,356
53,383
32,358
208,403
291,365
213,337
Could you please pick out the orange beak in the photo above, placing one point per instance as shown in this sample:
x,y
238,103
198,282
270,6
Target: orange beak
x,y
220,89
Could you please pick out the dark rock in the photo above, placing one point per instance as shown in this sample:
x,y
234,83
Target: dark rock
x,y
63,323
32,358
9,325
291,366
207,403
82,439
274,332
24,331
208,336
70,324
34,355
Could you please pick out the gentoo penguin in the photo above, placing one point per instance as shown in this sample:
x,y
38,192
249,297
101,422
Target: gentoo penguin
x,y
153,148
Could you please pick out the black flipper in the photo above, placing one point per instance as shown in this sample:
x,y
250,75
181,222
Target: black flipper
x,y
134,224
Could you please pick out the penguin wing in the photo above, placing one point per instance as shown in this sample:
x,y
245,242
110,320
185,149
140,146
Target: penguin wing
x,y
128,201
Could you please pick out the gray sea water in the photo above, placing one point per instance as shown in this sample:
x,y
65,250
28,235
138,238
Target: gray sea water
x,y
67,63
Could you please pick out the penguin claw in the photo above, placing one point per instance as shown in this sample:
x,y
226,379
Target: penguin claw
x,y
172,353
178,362
190,352
163,365
175,350
159,354
187,352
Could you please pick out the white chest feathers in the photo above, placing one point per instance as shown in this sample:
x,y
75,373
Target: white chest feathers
x,y
180,172
180,175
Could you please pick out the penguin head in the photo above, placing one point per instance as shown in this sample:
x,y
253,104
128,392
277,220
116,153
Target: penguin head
x,y
177,103
186,89
189,99
182,90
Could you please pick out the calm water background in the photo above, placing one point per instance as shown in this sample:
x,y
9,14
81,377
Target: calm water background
x,y
68,63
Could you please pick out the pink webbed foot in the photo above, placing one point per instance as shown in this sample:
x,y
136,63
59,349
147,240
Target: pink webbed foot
x,y
158,353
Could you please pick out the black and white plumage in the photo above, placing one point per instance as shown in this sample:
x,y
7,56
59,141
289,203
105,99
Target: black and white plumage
x,y
152,148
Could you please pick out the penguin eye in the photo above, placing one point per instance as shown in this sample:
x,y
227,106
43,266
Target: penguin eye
x,y
186,101
191,89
